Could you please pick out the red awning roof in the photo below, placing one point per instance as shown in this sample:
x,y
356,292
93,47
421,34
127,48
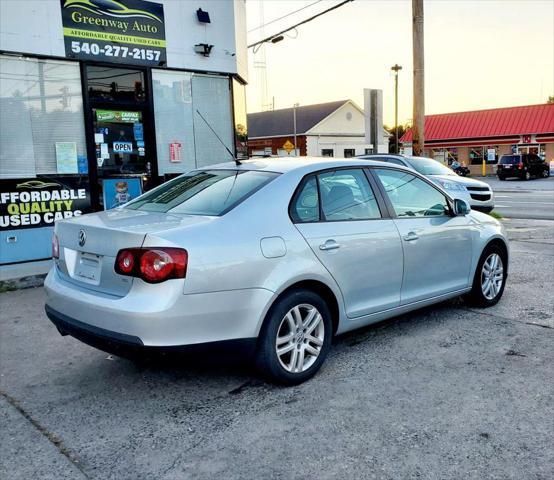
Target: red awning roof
x,y
499,122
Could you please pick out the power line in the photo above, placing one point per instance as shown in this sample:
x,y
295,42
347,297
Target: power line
x,y
284,16
267,39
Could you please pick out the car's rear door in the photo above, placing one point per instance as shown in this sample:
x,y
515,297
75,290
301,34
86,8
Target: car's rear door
x,y
437,245
347,227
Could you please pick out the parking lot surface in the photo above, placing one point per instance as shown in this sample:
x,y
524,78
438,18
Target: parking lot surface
x,y
515,198
447,392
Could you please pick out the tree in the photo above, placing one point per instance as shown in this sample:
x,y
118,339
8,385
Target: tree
x,y
550,99
402,129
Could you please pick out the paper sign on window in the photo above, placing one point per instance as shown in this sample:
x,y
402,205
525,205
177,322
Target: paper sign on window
x,y
175,152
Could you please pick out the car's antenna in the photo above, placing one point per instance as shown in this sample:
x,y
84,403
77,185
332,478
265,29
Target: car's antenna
x,y
237,161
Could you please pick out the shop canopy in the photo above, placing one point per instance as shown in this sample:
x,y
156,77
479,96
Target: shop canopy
x,y
498,122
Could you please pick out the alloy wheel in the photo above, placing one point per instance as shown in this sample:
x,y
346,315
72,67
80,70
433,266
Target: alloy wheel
x,y
492,276
300,338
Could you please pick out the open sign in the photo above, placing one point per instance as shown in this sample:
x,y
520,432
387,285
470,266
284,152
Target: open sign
x,y
123,147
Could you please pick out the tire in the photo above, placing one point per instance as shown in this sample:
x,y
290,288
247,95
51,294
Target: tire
x,y
485,209
476,296
282,322
501,177
527,176
546,173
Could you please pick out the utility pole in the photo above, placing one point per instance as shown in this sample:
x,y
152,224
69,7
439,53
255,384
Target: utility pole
x,y
396,68
418,128
294,121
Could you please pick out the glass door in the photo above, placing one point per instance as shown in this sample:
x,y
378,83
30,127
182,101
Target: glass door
x,y
122,130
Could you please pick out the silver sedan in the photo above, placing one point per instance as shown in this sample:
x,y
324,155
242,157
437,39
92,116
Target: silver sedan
x,y
271,256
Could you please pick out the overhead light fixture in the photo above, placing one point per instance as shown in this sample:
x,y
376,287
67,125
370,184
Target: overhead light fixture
x,y
203,17
277,39
203,49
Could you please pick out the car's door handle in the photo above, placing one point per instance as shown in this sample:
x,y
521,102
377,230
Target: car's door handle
x,y
329,245
410,237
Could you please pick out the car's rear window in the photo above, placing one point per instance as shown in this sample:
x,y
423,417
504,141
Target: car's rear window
x,y
207,192
510,159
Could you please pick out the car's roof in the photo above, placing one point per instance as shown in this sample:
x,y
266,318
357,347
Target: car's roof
x,y
393,155
287,164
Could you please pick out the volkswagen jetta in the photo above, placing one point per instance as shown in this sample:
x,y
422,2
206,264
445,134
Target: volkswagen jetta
x,y
273,256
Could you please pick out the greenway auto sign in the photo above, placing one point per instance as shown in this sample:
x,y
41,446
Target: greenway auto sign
x,y
124,31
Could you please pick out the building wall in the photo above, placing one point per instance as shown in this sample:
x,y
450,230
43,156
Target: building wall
x,y
316,143
35,26
345,126
46,109
549,152
257,146
347,119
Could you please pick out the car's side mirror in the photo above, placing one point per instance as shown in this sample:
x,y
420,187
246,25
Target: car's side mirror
x,y
461,207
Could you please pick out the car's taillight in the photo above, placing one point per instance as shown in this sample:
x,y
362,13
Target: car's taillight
x,y
55,246
520,165
153,264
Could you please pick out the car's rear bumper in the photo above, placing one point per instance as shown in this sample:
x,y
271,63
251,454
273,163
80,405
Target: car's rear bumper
x,y
129,345
161,316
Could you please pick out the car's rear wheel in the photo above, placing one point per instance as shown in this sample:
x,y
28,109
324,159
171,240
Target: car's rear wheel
x,y
295,338
546,173
490,278
527,175
501,177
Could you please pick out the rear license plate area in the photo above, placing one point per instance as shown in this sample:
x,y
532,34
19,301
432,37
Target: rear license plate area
x,y
89,268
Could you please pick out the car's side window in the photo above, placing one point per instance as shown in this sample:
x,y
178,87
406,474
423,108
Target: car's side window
x,y
305,206
347,195
410,196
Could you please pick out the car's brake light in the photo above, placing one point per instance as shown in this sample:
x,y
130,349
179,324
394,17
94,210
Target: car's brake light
x,y
520,165
153,264
55,246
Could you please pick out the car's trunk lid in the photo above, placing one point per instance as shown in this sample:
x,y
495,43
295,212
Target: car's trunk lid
x,y
89,245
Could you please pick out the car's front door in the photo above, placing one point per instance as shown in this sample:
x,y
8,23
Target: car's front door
x,y
339,216
437,245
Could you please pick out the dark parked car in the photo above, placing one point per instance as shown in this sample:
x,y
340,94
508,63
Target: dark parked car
x,y
525,166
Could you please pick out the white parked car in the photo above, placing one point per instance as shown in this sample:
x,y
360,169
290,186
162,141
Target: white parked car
x,y
478,194
275,256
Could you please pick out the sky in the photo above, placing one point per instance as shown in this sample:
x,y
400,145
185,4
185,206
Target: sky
x,y
479,54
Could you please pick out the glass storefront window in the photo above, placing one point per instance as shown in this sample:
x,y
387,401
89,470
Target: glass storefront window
x,y
41,118
537,149
115,84
213,123
188,109
174,121
476,155
451,155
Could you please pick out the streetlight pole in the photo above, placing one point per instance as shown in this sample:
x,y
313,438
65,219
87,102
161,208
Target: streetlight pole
x,y
396,68
294,120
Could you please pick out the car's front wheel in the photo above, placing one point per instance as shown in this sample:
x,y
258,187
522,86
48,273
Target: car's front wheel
x,y
545,173
295,338
490,278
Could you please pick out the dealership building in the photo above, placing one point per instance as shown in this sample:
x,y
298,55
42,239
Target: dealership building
x,y
101,100
471,137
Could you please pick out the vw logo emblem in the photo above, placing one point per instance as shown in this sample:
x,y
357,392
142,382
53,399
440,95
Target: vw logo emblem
x,y
82,237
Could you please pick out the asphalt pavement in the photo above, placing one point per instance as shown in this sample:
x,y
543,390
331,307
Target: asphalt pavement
x,y
447,392
514,198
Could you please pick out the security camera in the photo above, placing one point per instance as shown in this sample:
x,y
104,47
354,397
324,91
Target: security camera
x,y
203,49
